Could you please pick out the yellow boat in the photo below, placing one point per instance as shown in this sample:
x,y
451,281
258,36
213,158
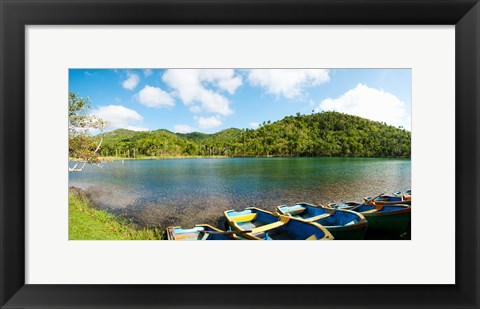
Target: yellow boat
x,y
255,223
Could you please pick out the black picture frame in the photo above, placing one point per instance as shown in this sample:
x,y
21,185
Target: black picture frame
x,y
16,14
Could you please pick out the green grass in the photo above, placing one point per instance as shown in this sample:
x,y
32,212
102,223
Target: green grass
x,y
87,223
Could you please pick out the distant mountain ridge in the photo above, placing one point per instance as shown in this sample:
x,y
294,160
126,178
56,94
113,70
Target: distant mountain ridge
x,y
319,134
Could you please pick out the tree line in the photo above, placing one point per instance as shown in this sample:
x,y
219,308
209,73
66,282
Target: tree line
x,y
318,134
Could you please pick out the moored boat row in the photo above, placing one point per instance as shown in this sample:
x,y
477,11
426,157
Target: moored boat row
x,y
380,217
342,224
388,200
407,195
257,224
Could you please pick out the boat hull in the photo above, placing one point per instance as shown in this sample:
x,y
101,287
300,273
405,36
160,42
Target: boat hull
x,y
358,232
389,225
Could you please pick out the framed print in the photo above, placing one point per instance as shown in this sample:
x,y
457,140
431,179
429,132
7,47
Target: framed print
x,y
185,114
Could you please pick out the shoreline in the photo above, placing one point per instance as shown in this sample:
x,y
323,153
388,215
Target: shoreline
x,y
111,159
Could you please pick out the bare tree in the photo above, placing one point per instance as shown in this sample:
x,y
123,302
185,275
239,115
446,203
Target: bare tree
x,y
82,147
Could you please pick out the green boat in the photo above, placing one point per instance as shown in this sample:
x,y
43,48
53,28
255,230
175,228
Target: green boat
x,y
386,221
383,199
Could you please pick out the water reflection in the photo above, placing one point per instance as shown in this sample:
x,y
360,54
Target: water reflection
x,y
188,191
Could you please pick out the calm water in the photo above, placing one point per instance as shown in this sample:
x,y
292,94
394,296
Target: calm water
x,y
188,191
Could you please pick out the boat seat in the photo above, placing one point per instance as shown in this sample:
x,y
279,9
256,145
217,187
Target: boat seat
x,y
189,236
369,211
267,227
296,210
244,218
317,217
313,237
247,225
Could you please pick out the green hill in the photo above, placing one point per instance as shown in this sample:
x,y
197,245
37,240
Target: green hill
x,y
320,134
195,136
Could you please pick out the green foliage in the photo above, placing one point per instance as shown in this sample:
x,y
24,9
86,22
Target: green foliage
x,y
88,223
320,134
80,145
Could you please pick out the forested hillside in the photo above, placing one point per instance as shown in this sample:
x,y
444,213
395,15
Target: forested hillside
x,y
321,134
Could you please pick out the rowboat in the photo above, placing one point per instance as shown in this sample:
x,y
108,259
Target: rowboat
x,y
345,205
407,196
199,232
255,223
386,221
387,200
342,224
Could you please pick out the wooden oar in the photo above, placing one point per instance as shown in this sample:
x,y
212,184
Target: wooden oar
x,y
368,203
224,233
373,199
354,208
318,218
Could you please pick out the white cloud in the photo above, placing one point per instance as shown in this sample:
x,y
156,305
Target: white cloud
x,y
290,83
224,79
370,103
136,128
183,128
195,109
254,125
131,82
208,122
119,116
147,72
154,97
194,86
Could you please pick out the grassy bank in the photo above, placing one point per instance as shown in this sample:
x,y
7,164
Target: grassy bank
x,y
88,223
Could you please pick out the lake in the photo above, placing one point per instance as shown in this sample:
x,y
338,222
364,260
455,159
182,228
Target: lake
x,y
189,191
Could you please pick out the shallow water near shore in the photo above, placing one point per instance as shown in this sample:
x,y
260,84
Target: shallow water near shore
x,y
190,191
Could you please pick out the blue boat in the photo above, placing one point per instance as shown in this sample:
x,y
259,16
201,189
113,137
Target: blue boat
x,y
345,205
199,232
343,224
255,223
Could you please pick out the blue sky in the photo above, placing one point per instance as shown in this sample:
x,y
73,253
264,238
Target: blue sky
x,y
210,100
